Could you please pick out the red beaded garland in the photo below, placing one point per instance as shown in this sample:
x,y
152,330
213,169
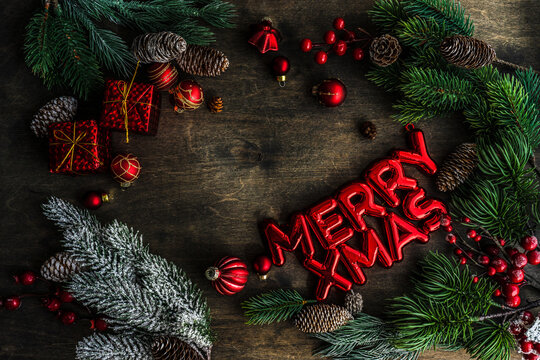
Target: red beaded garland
x,y
331,92
163,75
126,169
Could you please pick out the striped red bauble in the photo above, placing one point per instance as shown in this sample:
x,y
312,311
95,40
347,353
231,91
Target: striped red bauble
x,y
228,275
163,76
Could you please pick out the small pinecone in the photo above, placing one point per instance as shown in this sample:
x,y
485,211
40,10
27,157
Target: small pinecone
x,y
159,47
467,52
60,267
457,167
202,61
368,130
354,303
384,50
320,318
216,104
172,348
57,110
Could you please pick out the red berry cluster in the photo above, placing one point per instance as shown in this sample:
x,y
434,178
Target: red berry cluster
x,y
529,348
504,265
335,44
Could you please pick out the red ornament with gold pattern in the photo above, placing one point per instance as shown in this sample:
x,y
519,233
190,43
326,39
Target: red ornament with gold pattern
x,y
163,76
187,95
331,92
229,275
265,37
126,169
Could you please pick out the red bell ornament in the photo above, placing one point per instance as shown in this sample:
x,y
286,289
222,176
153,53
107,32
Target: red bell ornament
x,y
229,275
163,76
280,68
187,95
262,266
126,169
331,92
265,37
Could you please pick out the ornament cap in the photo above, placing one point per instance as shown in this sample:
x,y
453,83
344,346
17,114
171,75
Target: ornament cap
x,y
212,273
105,197
281,80
263,277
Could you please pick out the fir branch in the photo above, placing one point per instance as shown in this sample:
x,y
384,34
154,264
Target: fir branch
x,y
386,14
448,13
417,31
491,341
274,306
387,77
531,83
411,111
114,347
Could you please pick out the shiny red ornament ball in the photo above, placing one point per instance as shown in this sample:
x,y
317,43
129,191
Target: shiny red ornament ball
x,y
519,260
163,75
126,168
68,317
321,57
280,68
12,303
94,199
229,275
529,243
187,95
534,257
306,45
26,278
52,303
262,266
358,54
340,48
330,37
331,92
339,23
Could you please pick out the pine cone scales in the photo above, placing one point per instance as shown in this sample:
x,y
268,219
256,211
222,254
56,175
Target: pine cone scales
x,y
354,303
57,110
457,167
322,318
467,52
368,130
172,348
216,104
159,47
384,50
60,267
202,61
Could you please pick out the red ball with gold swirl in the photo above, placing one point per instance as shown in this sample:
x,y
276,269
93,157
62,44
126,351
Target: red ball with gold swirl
x,y
163,76
126,169
187,95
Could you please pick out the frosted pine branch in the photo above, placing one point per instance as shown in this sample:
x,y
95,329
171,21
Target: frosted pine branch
x,y
114,347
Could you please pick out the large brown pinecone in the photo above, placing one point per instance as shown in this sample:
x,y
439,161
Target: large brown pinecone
x,y
172,348
322,318
60,267
160,47
467,52
202,61
457,167
384,50
61,109
354,303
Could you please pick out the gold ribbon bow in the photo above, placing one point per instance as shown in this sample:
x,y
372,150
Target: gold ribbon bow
x,y
75,141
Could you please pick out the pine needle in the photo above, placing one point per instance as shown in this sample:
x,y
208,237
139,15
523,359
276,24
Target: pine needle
x,y
274,306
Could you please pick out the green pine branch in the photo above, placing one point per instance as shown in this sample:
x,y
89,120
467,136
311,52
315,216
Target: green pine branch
x,y
387,77
273,306
448,13
491,341
386,14
418,31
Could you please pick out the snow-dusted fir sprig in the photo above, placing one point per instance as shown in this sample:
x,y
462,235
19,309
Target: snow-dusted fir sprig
x,y
114,347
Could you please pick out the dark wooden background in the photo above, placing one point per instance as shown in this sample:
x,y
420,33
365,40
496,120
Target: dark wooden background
x,y
208,179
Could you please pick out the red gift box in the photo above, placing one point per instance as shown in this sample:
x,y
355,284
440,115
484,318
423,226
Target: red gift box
x,y
130,107
78,147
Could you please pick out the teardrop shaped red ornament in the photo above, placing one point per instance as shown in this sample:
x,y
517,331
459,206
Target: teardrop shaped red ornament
x,y
229,275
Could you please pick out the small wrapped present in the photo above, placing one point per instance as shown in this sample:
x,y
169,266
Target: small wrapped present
x,y
79,147
130,107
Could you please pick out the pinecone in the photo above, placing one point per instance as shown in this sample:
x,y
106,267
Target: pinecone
x,y
320,318
354,303
216,104
467,52
60,267
202,61
384,50
159,47
368,130
457,167
172,348
57,110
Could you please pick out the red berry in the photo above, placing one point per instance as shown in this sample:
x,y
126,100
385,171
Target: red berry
x,y
512,251
26,278
483,260
462,260
471,233
321,57
492,250
330,37
448,228
526,346
339,23
477,238
515,329
68,317
534,257
99,324
527,317
340,48
537,347
446,221
510,290
358,54
502,242
65,297
306,45
531,356
451,238
529,243
516,275
513,301
466,220
497,293
499,264
475,279
12,303
470,254
491,271
52,303
458,252
519,260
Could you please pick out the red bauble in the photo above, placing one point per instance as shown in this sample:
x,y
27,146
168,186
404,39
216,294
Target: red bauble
x,y
163,75
262,265
529,243
358,54
68,317
330,37
229,275
65,296
306,45
187,95
340,48
265,37
94,199
52,303
26,278
321,57
331,92
12,303
126,169
339,23
534,257
280,68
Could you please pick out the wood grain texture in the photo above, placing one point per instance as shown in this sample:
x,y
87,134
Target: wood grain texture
x,y
208,179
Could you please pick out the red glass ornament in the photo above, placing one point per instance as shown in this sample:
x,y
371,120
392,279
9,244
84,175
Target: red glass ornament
x,y
262,265
321,57
331,92
358,54
280,68
94,199
519,260
306,45
187,95
12,303
529,243
229,275
126,168
163,75
25,278
340,48
98,324
330,37
52,303
339,23
65,296
265,37
534,257
68,317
